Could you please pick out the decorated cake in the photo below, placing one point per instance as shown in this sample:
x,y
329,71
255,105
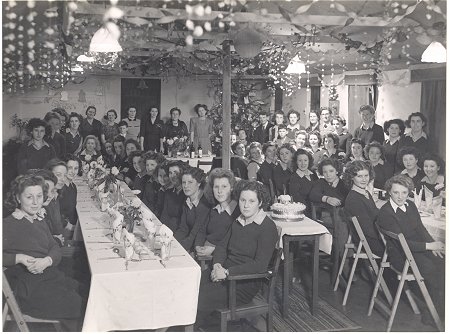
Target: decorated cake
x,y
287,210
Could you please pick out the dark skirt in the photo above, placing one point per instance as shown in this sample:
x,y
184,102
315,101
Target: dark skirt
x,y
50,295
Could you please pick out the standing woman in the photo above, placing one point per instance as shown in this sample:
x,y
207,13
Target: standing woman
x,y
54,138
90,125
221,216
134,124
394,128
345,138
175,128
31,257
314,122
383,170
74,140
111,129
294,125
314,141
36,152
195,210
278,120
302,180
417,137
152,131
282,171
265,171
359,202
201,129
68,195
255,157
64,116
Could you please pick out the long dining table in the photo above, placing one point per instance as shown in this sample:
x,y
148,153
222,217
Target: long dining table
x,y
147,294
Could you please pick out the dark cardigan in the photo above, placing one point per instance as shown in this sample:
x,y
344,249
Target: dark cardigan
x,y
172,208
29,157
68,201
281,179
382,174
191,222
300,187
322,188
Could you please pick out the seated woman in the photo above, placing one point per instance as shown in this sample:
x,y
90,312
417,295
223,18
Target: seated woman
x,y
282,172
345,137
36,152
246,249
151,161
255,158
109,156
128,173
399,215
238,162
408,156
360,204
434,179
356,150
68,195
314,121
135,160
91,148
195,210
174,196
53,137
314,141
110,129
383,170
31,257
51,204
302,180
164,185
120,160
221,216
301,139
265,171
331,148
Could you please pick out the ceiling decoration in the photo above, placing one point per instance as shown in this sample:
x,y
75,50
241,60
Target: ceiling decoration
x,y
45,41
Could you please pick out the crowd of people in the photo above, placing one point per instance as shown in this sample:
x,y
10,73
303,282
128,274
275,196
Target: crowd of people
x,y
221,213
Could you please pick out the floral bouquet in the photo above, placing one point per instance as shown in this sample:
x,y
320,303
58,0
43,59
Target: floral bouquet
x,y
175,145
108,186
131,214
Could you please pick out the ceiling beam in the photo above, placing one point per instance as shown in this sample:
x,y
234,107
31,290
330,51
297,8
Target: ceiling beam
x,y
181,14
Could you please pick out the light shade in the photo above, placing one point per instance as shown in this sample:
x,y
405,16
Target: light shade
x,y
295,66
85,59
434,53
104,41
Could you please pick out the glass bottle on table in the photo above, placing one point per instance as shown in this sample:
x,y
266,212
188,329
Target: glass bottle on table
x,y
192,151
200,152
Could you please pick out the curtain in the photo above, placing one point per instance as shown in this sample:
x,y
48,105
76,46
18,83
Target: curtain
x,y
373,96
357,96
432,105
315,98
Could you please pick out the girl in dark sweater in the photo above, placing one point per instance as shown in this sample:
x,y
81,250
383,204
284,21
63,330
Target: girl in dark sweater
x,y
150,190
246,249
383,170
195,210
409,157
31,257
394,128
282,172
265,171
360,204
221,217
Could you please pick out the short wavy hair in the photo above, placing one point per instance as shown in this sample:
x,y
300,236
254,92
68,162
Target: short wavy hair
x,y
330,162
91,107
266,145
366,107
397,121
97,143
279,112
333,137
301,151
292,111
133,155
173,109
400,179
219,173
433,157
178,163
352,168
371,145
253,144
44,173
52,115
416,114
151,155
317,134
286,146
406,150
340,119
73,157
357,141
132,141
77,115
197,174
55,162
18,186
36,123
113,111
198,106
261,191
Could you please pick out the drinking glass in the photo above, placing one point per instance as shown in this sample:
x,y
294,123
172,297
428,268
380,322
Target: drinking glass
x,y
165,250
437,206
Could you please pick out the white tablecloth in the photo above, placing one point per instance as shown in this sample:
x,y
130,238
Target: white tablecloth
x,y
147,295
306,226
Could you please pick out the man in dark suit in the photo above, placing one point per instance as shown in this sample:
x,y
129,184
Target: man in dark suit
x,y
261,133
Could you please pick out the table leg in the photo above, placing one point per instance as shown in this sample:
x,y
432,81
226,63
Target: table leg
x,y
189,328
286,276
315,275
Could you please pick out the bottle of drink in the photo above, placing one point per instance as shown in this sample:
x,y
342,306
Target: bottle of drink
x,y
200,152
192,151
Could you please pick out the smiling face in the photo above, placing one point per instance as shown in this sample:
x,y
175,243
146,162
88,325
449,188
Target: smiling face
x,y
430,168
31,199
174,175
190,185
201,112
366,116
248,203
313,140
271,153
54,123
300,140
255,153
337,125
163,178
361,179
153,112
374,154
118,148
138,164
175,114
90,113
325,116
61,173
123,129
222,190
38,133
399,194
285,155
416,124
109,149
394,130
90,145
302,162
357,150
263,118
111,116
150,166
279,119
313,118
329,173
72,169
74,123
328,143
293,119
240,150
131,147
410,162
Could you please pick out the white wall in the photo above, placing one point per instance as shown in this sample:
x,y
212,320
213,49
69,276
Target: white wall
x,y
299,101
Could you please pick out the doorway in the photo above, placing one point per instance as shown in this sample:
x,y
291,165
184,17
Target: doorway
x,y
141,93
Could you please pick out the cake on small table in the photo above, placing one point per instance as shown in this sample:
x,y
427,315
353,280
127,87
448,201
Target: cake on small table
x,y
287,210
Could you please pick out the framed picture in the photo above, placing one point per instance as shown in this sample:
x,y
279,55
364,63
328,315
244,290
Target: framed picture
x,y
334,107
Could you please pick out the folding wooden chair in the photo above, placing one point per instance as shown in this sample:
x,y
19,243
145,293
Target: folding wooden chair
x,y
204,261
12,312
363,252
410,272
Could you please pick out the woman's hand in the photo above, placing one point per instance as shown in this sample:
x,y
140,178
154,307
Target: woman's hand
x,y
204,250
435,246
38,265
218,273
438,253
333,201
23,259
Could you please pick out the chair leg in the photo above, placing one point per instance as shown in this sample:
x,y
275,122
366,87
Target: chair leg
x,y
375,290
396,300
341,267
270,320
223,323
350,278
430,305
412,302
58,326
